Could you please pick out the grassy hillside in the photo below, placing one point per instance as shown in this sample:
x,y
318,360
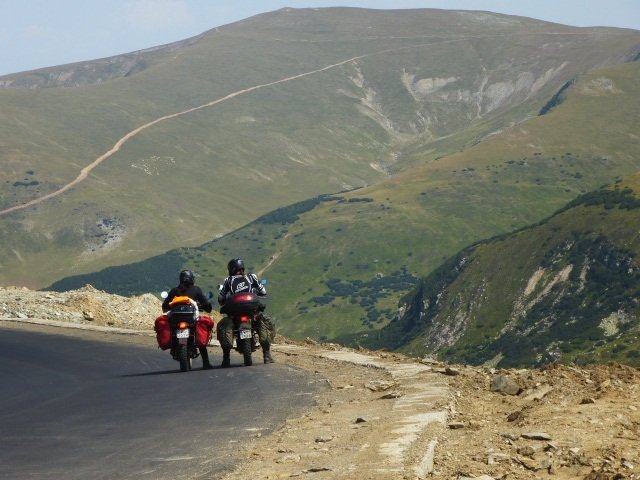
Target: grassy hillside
x,y
338,264
566,290
385,91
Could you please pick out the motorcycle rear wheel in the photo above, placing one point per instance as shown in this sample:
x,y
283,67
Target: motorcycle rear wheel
x,y
245,348
183,357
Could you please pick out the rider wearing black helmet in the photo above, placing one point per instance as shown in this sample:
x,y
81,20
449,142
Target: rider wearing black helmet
x,y
187,288
236,282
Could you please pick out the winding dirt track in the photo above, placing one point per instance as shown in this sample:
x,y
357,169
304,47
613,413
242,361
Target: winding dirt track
x,y
84,173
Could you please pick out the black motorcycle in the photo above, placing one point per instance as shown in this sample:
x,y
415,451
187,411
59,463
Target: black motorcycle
x,y
244,310
183,322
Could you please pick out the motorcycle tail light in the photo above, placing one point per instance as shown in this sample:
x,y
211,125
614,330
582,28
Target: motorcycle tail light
x,y
183,325
244,298
245,318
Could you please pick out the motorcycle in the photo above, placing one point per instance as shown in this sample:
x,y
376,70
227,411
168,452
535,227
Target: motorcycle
x,y
244,309
188,330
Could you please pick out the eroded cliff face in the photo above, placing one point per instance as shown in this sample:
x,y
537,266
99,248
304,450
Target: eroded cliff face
x,y
441,105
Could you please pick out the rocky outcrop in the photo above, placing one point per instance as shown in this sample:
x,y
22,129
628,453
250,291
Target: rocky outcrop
x,y
85,306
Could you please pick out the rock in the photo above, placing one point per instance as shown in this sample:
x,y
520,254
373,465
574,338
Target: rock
x,y
389,395
379,385
527,451
451,371
288,458
361,420
498,457
506,385
324,439
586,401
537,394
550,447
547,464
429,361
515,416
456,425
536,436
525,463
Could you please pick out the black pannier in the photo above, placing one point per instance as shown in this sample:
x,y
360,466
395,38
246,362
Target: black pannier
x,y
183,312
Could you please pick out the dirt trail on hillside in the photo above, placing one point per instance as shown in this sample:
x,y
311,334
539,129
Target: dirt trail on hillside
x,y
84,173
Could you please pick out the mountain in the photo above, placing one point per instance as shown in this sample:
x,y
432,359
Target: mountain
x,y
337,264
175,146
566,289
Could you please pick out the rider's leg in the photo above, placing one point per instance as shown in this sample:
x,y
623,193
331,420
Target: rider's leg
x,y
266,332
205,358
224,333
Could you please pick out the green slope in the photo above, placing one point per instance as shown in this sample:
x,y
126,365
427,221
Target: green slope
x,y
420,85
338,264
565,290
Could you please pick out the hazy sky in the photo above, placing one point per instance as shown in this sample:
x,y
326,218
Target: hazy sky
x,y
41,33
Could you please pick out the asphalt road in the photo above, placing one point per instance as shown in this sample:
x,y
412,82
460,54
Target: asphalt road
x,y
103,407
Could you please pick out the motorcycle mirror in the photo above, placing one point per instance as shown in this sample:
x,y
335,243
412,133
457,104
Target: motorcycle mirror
x,y
164,295
263,281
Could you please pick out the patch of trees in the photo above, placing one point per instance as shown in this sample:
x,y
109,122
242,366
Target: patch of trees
x,y
290,213
32,183
361,199
623,199
368,293
557,99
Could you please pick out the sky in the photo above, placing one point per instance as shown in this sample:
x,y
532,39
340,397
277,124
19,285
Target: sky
x,y
43,33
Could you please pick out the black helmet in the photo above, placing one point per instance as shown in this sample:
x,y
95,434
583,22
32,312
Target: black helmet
x,y
187,277
235,265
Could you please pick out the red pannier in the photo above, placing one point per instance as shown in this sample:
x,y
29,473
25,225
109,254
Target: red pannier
x,y
163,332
203,331
204,327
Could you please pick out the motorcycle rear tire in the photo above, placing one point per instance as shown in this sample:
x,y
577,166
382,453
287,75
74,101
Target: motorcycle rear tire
x,y
245,348
183,357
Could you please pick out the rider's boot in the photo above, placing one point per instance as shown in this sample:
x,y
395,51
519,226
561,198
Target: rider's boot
x,y
226,358
266,352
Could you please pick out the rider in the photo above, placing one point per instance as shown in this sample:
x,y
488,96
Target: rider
x,y
236,282
188,288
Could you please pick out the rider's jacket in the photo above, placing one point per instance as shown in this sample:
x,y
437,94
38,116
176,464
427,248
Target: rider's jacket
x,y
193,292
241,283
